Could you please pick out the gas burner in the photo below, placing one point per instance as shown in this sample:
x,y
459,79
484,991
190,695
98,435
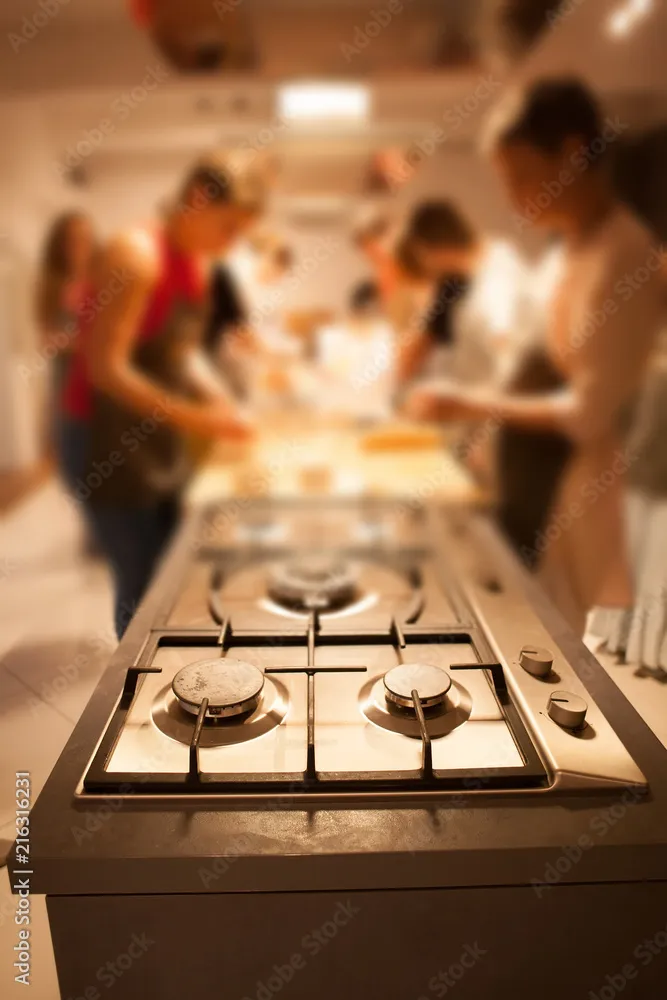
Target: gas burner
x,y
430,682
321,581
442,716
232,687
176,721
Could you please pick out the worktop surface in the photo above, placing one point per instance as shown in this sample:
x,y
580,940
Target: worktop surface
x,y
135,845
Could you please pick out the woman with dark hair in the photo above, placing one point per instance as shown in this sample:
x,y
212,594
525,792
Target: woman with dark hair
x,y
64,272
478,284
602,328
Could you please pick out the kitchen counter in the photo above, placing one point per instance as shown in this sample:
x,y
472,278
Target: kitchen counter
x,y
133,845
293,457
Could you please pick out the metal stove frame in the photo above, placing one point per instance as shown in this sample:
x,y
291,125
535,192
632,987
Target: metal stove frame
x,y
311,782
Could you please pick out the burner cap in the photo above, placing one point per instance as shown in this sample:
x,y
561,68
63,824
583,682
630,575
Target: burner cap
x,y
232,686
431,683
320,580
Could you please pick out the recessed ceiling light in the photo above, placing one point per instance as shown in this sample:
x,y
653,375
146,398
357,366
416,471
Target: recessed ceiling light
x,y
324,101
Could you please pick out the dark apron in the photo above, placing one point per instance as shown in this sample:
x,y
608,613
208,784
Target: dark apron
x,y
530,463
140,461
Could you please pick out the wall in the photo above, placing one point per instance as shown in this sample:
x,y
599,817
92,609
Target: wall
x,y
30,193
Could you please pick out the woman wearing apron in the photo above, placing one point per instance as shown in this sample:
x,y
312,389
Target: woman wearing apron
x,y
603,324
140,384
477,285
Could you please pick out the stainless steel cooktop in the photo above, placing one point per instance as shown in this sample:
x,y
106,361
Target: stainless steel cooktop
x,y
357,650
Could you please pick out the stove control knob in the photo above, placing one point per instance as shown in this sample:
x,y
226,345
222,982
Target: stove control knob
x,y
567,710
536,661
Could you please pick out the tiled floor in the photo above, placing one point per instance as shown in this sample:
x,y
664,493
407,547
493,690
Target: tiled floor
x,y
55,637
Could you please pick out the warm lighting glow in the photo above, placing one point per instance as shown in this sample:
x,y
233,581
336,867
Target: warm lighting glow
x,y
626,17
318,101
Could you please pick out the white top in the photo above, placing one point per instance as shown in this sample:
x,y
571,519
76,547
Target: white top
x,y
356,365
490,322
263,301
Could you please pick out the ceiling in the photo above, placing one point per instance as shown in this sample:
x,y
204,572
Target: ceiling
x,y
90,57
13,12
275,37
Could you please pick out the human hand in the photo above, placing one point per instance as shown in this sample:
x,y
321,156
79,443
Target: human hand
x,y
435,400
220,420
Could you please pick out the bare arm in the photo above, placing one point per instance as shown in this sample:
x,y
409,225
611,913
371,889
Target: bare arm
x,y
204,378
611,357
411,354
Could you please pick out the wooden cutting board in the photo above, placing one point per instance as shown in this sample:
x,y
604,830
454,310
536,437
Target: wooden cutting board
x,y
292,461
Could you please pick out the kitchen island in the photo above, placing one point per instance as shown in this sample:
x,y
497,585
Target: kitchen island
x,y
553,883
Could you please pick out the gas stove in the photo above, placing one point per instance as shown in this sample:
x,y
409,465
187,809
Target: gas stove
x,y
352,651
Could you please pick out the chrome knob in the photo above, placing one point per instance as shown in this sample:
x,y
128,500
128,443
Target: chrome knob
x,y
567,710
536,661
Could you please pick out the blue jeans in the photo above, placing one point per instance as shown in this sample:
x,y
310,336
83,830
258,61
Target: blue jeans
x,y
132,538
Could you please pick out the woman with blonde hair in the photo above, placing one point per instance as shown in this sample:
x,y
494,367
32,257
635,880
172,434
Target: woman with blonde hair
x,y
140,383
550,154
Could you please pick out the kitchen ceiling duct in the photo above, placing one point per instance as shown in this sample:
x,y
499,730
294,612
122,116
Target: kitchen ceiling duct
x,y
293,38
201,35
519,23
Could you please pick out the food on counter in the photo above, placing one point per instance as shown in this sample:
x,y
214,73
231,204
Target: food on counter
x,y
316,479
401,437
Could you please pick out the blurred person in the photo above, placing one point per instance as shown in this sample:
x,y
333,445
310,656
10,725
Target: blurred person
x,y
227,321
603,325
639,635
260,268
246,328
373,236
227,336
355,357
63,276
408,306
479,284
140,382
226,329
